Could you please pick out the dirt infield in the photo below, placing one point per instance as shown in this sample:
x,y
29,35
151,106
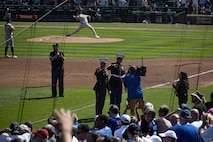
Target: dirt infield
x,y
23,72
58,39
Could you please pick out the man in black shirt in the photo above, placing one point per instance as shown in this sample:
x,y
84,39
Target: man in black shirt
x,y
57,62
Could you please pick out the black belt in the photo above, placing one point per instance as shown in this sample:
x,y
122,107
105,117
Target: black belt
x,y
59,68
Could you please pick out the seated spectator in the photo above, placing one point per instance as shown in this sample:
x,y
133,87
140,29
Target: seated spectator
x,y
185,132
51,130
208,6
199,100
101,125
206,129
195,121
14,130
114,120
125,120
162,123
168,136
149,116
175,119
25,132
145,123
92,136
41,135
132,134
82,131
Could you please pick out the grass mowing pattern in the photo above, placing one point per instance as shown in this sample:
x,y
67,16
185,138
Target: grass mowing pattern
x,y
149,41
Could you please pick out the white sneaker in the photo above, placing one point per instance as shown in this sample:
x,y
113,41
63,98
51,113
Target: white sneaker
x,y
7,56
14,57
97,36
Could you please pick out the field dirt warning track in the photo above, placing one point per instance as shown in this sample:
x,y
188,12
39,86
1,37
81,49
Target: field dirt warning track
x,y
80,73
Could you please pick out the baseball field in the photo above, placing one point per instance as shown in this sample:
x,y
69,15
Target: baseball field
x,y
25,86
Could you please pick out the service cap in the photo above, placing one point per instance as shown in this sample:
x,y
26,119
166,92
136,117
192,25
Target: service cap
x,y
103,60
120,56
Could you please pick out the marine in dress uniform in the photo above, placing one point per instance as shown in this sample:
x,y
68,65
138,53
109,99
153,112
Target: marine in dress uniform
x,y
101,85
57,62
115,82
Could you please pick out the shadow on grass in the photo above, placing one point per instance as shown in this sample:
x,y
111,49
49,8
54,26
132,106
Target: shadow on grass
x,y
85,120
38,98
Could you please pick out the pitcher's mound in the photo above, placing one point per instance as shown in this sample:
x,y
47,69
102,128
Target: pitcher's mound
x,y
71,39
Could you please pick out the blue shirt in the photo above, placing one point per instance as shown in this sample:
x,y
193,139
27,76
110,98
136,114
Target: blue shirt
x,y
114,123
106,131
186,133
134,87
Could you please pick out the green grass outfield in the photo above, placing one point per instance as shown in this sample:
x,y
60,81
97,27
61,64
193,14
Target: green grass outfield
x,y
147,40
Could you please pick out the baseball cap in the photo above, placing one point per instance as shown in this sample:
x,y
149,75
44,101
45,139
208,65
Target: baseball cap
x,y
185,106
41,132
149,110
185,113
198,95
125,118
24,127
14,126
168,133
155,138
147,105
55,45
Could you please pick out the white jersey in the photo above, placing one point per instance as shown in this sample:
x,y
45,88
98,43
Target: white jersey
x,y
83,18
8,30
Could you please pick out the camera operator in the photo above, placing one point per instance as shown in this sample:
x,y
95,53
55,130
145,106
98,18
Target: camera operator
x,y
132,83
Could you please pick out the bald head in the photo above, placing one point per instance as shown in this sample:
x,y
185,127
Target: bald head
x,y
195,114
174,119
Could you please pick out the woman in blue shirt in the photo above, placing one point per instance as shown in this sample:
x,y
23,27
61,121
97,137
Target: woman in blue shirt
x,y
132,82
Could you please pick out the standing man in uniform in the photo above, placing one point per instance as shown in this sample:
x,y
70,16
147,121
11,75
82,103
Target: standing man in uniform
x,y
115,82
84,23
9,28
101,85
57,61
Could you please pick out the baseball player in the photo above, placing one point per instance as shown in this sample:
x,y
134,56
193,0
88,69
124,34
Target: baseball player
x,y
84,24
9,38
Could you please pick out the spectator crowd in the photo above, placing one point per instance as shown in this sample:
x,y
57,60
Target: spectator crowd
x,y
192,6
185,124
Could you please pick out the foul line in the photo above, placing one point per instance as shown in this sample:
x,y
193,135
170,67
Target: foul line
x,y
156,86
167,83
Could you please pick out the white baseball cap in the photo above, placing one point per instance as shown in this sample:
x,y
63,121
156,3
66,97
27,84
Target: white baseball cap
x,y
125,118
168,133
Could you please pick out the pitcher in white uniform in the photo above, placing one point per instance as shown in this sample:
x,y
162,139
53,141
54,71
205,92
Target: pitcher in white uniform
x,y
83,18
